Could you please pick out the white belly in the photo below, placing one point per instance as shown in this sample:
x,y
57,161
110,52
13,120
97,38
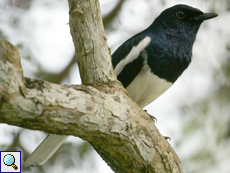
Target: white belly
x,y
146,87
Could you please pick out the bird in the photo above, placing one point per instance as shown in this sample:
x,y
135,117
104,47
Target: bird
x,y
147,64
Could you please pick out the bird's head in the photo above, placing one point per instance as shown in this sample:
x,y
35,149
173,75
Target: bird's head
x,y
182,18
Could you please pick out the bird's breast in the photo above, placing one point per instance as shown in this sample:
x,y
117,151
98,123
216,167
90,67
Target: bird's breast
x,y
146,87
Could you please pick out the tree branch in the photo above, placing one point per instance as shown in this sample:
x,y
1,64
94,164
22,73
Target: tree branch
x,y
101,113
58,77
91,49
108,18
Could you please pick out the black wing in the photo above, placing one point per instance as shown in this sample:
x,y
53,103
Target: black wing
x,y
131,70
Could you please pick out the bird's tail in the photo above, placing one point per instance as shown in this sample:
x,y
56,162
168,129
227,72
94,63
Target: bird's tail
x,y
45,150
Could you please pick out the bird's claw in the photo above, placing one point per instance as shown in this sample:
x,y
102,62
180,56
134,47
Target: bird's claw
x,y
167,138
152,117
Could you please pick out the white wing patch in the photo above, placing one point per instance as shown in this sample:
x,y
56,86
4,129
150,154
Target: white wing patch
x,y
133,54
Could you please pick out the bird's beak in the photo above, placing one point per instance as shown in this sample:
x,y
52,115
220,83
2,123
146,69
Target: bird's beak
x,y
206,16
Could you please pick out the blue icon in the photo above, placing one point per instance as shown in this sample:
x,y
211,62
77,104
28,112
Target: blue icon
x,y
9,160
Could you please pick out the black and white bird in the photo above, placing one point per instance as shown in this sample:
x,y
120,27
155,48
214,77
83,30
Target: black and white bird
x,y
147,64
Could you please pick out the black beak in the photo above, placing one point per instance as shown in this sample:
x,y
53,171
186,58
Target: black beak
x,y
206,16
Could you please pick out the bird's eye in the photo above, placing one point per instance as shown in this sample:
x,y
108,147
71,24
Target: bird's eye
x,y
180,14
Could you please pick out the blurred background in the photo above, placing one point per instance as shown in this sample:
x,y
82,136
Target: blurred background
x,y
194,112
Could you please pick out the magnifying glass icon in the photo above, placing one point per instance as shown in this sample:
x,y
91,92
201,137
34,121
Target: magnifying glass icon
x,y
9,160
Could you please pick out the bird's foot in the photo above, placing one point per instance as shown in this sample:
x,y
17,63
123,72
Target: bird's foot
x,y
152,117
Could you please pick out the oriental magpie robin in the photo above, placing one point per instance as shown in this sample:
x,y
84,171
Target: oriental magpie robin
x,y
147,64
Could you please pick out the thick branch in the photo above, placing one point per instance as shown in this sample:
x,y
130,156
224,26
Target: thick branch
x,y
118,129
91,49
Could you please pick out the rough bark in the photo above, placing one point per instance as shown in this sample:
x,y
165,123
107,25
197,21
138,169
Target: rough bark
x,y
91,50
100,111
